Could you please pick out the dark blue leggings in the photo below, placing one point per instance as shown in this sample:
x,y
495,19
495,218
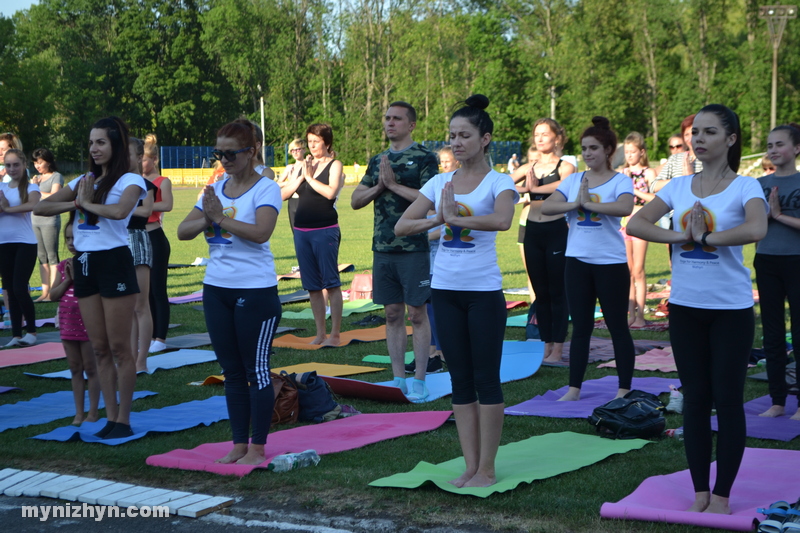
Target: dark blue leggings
x,y
471,325
712,347
242,324
17,261
586,284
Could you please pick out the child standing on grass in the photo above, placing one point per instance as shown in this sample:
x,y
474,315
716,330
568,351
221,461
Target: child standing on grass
x,y
73,336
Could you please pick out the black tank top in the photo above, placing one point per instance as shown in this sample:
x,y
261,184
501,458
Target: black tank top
x,y
313,209
544,180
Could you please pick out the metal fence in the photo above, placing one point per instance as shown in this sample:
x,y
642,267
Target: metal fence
x,y
199,156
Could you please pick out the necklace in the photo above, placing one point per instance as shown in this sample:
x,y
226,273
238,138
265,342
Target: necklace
x,y
722,177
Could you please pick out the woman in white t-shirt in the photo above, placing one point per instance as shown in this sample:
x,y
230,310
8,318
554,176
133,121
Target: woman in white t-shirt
x,y
18,246
104,276
597,265
711,320
474,202
240,291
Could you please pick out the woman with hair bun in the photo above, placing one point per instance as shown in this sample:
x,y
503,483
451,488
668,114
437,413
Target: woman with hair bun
x,y
473,202
711,320
546,235
777,261
597,266
240,289
105,279
159,301
47,229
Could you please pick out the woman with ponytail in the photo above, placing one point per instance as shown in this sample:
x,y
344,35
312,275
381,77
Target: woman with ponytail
x,y
711,320
474,202
597,265
105,279
778,259
18,245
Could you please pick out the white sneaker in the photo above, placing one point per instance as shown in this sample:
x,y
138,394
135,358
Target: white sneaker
x,y
157,346
28,340
15,341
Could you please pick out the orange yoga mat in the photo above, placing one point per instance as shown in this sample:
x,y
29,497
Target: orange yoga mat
x,y
355,335
322,369
32,354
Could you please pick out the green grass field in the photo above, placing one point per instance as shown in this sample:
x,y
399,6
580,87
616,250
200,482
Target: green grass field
x,y
569,502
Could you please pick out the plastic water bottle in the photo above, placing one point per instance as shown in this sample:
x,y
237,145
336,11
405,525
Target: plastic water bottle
x,y
674,433
675,404
292,461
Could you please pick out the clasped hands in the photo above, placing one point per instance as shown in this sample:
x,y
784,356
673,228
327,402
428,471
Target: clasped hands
x,y
212,206
696,225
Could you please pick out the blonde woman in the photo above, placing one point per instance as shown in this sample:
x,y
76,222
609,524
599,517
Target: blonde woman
x,y
292,171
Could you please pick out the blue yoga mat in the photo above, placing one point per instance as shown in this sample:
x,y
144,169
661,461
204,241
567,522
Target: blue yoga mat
x,y
46,408
165,361
164,420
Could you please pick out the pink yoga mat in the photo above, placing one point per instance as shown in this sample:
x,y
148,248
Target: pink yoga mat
x,y
32,354
189,298
653,360
329,437
766,476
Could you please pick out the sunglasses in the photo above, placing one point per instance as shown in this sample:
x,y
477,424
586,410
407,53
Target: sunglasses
x,y
675,147
230,155
296,150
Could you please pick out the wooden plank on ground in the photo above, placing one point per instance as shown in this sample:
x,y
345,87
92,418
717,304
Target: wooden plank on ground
x,y
136,499
204,507
91,497
112,499
174,505
73,494
165,498
13,479
52,491
17,489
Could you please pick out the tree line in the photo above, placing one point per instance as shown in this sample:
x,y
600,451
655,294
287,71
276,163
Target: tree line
x,y
183,68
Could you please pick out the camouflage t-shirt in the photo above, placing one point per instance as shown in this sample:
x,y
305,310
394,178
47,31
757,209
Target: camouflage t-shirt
x,y
412,167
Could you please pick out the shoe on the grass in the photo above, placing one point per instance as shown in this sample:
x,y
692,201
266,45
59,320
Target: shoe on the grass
x,y
434,365
419,392
28,340
411,367
157,346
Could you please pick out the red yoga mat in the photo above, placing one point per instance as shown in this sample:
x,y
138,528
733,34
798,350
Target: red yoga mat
x,y
32,354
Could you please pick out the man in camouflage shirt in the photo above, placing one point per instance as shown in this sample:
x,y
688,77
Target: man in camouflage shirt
x,y
401,265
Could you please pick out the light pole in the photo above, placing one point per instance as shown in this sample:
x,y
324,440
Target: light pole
x,y
776,17
263,144
552,95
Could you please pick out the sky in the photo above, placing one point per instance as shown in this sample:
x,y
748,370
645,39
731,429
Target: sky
x,y
9,7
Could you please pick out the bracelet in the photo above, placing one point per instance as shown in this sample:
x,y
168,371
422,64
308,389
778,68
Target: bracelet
x,y
703,238
220,220
75,201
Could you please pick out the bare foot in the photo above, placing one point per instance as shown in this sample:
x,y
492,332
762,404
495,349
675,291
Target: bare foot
x,y
718,505
572,395
92,417
548,349
139,369
774,411
481,480
701,500
333,340
555,353
796,416
621,393
238,451
463,478
638,322
78,420
319,339
255,456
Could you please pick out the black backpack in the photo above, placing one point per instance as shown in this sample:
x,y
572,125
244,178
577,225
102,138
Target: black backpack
x,y
637,415
315,395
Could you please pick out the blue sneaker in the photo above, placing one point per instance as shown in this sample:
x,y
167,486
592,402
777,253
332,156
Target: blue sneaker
x,y
419,392
400,383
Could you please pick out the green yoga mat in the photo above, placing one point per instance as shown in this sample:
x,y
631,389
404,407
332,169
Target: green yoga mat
x,y
348,308
517,321
385,359
519,462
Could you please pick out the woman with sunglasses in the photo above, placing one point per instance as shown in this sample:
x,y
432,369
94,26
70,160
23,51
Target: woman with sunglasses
x,y
317,235
240,291
297,148
105,279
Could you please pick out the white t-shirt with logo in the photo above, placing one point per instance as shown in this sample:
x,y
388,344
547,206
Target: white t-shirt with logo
x,y
16,227
466,259
237,263
107,234
594,238
709,277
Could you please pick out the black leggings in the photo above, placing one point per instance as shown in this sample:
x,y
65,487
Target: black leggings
x,y
242,325
471,325
545,245
778,280
712,347
159,301
17,261
586,283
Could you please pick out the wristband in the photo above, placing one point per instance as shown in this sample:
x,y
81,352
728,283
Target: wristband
x,y
76,204
703,238
220,221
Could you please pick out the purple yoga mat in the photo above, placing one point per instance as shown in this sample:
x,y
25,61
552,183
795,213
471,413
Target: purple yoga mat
x,y
8,389
766,476
594,393
759,427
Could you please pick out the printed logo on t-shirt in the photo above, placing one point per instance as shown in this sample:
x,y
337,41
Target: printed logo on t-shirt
x,y
588,218
456,236
83,224
215,234
695,250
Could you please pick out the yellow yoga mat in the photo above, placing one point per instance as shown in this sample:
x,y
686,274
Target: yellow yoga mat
x,y
323,369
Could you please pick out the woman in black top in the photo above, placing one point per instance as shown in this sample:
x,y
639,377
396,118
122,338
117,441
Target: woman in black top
x,y
316,229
